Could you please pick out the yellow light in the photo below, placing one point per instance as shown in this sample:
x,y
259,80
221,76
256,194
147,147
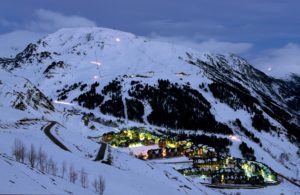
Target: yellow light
x,y
164,153
142,136
149,136
171,145
146,157
189,144
156,140
200,152
134,145
130,134
222,178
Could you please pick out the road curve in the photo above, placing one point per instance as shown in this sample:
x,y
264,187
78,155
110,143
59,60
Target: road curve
x,y
47,131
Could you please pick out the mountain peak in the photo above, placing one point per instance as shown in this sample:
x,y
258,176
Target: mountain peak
x,y
85,82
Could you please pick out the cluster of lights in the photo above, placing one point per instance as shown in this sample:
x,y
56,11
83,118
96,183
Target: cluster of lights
x,y
134,138
135,145
248,169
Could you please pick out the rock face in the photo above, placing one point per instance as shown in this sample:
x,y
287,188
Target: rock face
x,y
21,94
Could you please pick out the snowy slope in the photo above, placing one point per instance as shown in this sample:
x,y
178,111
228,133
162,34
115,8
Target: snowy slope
x,y
89,55
129,174
21,96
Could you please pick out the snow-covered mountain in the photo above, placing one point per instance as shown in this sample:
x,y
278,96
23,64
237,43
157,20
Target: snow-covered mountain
x,y
125,81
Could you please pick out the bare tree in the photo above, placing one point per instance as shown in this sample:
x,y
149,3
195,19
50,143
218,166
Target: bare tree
x,y
15,149
63,169
32,156
95,185
41,159
99,185
54,169
47,165
22,153
19,150
51,167
84,178
72,174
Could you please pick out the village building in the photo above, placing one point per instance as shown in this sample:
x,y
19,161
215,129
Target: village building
x,y
229,176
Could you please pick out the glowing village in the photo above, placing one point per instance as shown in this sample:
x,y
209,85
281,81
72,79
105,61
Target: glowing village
x,y
212,168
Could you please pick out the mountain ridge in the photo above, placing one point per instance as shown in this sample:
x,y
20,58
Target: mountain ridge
x,y
134,81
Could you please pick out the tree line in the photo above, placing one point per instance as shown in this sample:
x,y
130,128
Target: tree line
x,y
177,106
38,159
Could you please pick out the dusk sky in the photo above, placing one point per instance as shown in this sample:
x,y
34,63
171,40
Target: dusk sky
x,y
265,32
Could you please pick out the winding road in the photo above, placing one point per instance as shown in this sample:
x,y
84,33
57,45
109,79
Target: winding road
x,y
101,152
47,131
289,179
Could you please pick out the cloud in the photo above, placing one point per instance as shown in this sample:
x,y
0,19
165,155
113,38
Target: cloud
x,y
45,22
215,46
14,42
276,62
280,62
49,21
5,23
207,46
